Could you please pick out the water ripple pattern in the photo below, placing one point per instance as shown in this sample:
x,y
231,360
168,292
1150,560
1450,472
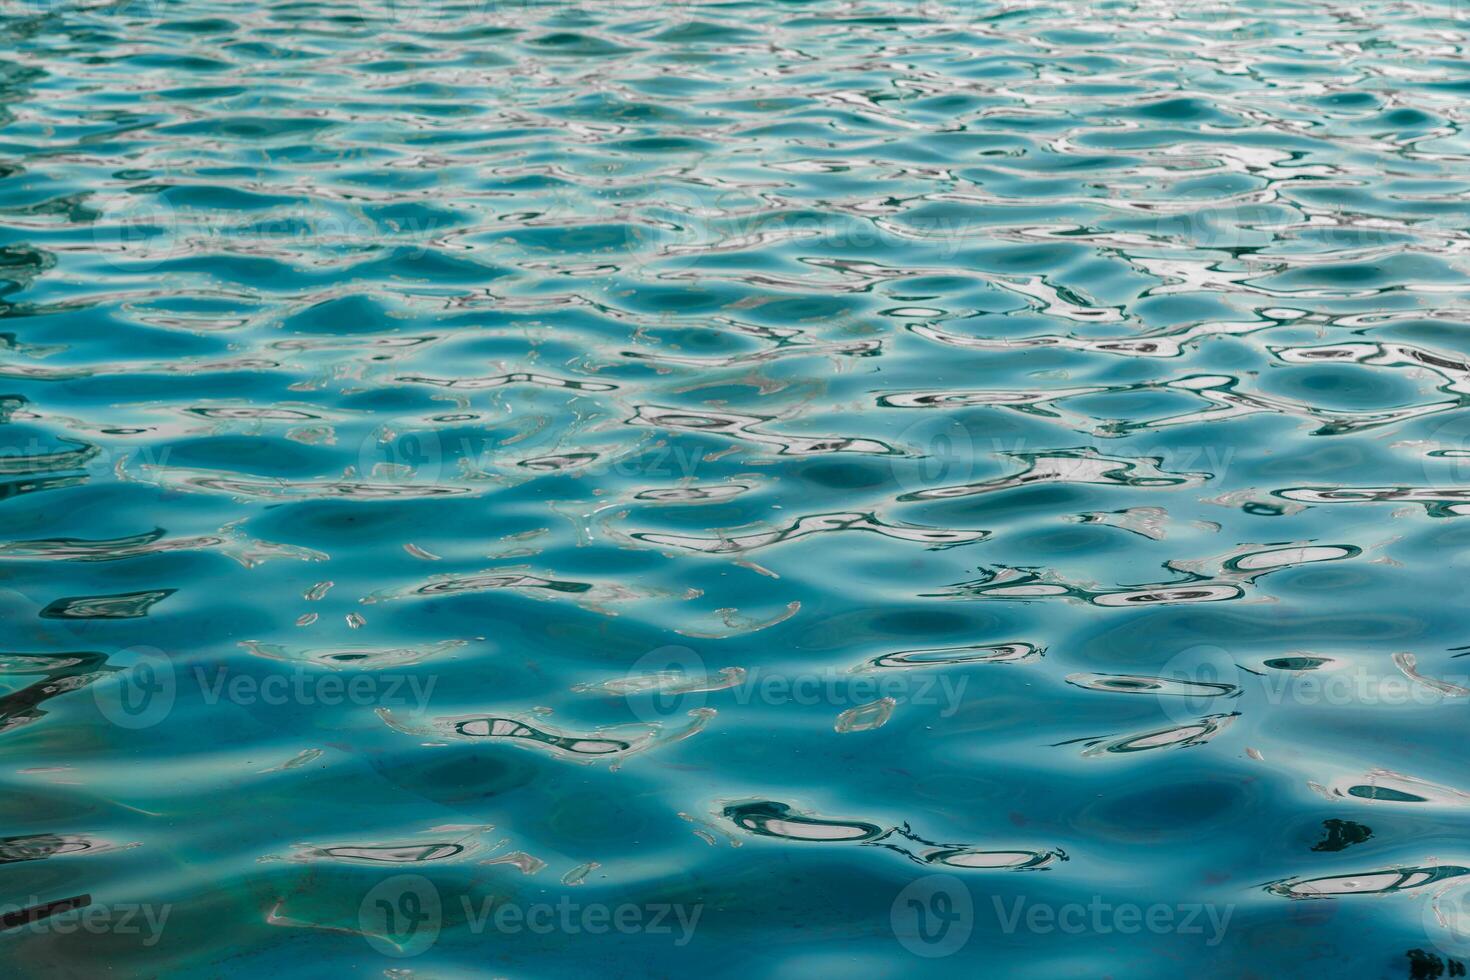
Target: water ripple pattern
x,y
790,488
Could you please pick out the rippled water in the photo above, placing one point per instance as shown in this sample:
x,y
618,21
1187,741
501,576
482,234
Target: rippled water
x,y
774,489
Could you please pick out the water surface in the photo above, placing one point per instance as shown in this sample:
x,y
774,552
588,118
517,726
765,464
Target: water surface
x,y
775,489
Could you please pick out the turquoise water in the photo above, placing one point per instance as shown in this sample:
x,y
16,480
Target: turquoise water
x,y
779,489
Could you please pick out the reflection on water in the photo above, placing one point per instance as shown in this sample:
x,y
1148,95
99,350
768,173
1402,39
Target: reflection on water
x,y
461,456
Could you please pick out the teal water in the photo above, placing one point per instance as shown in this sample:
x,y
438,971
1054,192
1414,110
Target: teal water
x,y
709,489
